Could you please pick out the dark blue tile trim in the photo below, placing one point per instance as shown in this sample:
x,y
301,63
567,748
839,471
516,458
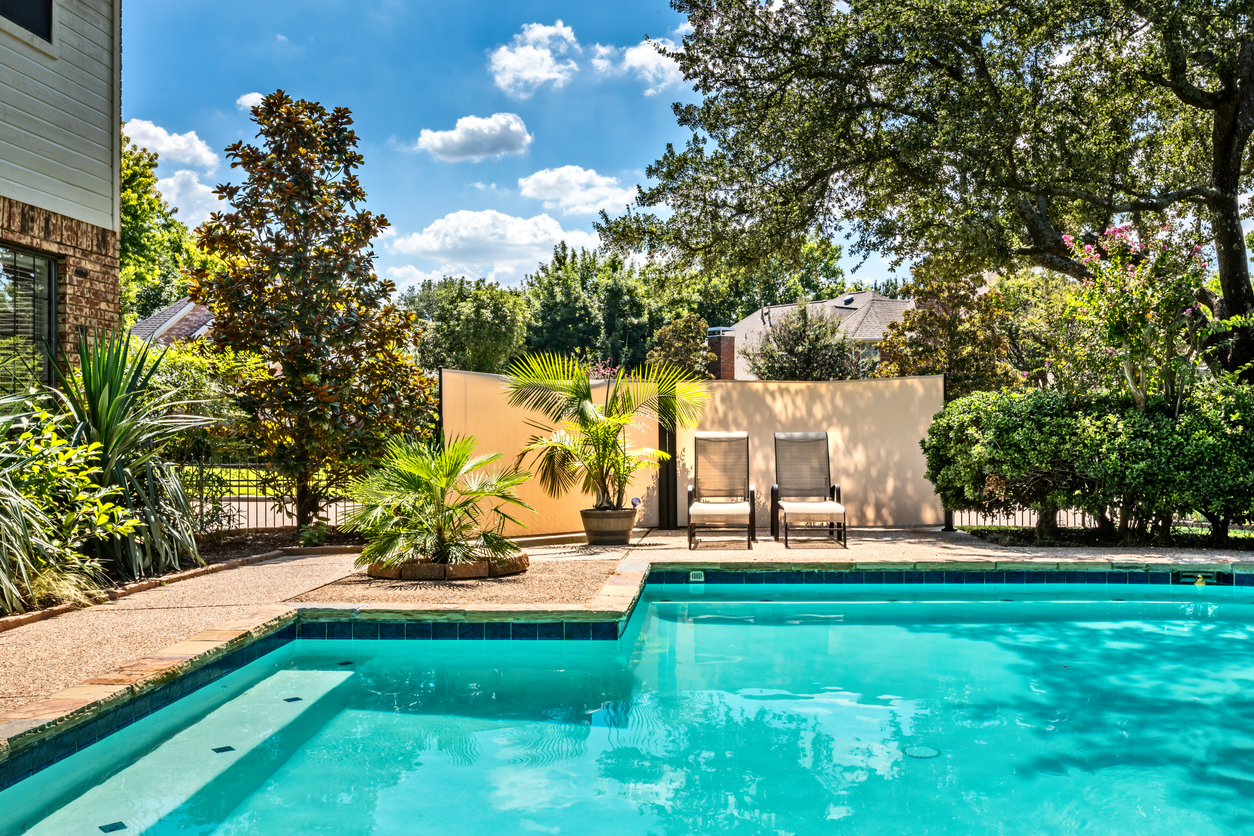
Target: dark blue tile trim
x,y
914,576
55,748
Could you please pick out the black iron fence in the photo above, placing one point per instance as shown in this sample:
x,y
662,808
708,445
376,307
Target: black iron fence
x,y
227,497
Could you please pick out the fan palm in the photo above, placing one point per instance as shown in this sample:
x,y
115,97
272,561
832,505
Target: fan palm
x,y
588,446
106,393
434,502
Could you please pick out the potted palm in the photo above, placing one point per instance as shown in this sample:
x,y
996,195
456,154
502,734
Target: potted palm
x,y
586,443
430,512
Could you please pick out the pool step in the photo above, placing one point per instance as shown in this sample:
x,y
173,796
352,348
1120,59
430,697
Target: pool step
x,y
182,782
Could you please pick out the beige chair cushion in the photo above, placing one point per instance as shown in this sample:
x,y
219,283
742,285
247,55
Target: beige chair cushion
x,y
820,512
719,513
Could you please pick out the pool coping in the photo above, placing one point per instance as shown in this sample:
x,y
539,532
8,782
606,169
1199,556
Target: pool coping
x,y
48,730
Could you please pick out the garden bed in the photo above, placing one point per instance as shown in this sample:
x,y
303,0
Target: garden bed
x,y
545,582
1241,541
256,542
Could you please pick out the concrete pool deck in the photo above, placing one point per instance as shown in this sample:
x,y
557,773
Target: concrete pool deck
x,y
119,650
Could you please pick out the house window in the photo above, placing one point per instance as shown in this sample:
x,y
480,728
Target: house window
x,y
28,325
33,15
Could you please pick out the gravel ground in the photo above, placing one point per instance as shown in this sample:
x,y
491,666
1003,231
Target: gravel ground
x,y
548,581
42,658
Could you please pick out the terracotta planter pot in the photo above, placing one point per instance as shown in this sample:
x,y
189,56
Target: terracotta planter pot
x,y
461,571
509,566
378,570
608,528
422,572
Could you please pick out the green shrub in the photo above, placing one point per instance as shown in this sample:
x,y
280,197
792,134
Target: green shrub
x,y
1217,455
1006,451
50,506
1130,467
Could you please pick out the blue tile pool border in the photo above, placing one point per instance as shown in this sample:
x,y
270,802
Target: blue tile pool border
x,y
414,630
1121,577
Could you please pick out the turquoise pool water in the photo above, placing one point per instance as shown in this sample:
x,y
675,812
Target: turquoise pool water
x,y
772,710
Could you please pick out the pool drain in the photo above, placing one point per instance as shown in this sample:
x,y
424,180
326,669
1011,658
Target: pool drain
x,y
921,752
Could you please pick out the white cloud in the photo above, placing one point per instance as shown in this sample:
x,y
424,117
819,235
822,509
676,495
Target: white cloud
x,y
643,61
248,101
194,199
411,275
492,244
684,28
531,61
181,148
575,190
476,138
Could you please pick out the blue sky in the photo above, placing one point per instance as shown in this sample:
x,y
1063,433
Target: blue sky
x,y
490,130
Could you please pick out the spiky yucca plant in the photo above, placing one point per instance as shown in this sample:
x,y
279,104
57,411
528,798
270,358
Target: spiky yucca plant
x,y
434,503
106,393
589,445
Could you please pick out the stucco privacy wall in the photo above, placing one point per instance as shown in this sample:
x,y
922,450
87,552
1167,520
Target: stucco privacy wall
x,y
475,404
873,429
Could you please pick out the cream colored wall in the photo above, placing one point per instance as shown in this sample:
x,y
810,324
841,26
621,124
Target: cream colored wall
x,y
59,143
873,428
475,404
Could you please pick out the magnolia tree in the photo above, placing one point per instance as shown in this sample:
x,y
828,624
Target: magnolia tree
x,y
298,288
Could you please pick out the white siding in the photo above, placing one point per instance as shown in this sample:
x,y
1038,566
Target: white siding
x,y
60,112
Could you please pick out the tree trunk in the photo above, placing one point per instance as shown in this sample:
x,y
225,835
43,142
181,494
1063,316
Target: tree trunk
x,y
1047,523
306,500
1229,137
1218,528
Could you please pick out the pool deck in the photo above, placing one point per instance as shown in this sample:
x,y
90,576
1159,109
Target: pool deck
x,y
121,649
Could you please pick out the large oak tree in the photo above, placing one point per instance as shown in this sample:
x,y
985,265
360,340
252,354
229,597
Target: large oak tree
x,y
979,129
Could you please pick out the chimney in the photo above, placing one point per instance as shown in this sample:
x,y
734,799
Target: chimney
x,y
722,341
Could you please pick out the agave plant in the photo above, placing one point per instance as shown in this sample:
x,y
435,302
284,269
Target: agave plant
x,y
588,445
107,395
433,502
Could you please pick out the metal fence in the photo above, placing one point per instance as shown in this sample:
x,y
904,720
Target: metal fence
x,y
1022,519
1066,519
241,497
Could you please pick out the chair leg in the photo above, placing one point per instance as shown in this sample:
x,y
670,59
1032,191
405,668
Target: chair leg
x,y
692,536
785,524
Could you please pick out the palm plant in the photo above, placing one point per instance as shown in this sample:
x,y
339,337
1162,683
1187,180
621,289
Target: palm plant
x,y
107,395
433,502
588,446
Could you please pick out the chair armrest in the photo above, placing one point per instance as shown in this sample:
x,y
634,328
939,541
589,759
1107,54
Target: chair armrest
x,y
690,496
836,493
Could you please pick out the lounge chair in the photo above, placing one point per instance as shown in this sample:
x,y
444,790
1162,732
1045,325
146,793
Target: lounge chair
x,y
721,497
804,496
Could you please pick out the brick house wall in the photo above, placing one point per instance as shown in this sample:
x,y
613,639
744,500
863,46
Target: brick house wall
x,y
87,264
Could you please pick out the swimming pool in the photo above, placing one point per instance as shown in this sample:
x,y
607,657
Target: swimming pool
x,y
911,709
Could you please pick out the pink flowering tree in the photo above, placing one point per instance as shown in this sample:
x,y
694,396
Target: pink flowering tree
x,y
1140,301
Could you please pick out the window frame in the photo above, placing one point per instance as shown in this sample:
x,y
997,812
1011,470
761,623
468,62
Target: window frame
x,y
54,307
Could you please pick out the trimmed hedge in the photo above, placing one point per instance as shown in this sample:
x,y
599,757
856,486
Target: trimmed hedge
x,y
1133,469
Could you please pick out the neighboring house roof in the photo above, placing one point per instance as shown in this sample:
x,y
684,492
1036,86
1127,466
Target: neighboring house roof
x,y
174,322
864,316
